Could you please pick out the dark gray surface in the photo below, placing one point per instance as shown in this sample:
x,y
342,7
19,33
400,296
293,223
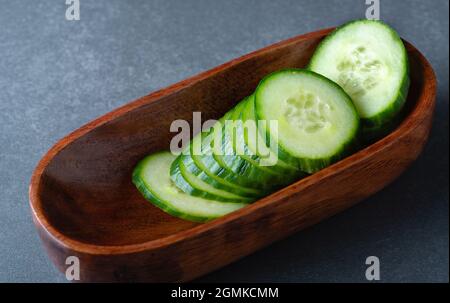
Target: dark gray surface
x,y
56,75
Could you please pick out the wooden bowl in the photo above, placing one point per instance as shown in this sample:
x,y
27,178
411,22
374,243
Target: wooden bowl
x,y
84,204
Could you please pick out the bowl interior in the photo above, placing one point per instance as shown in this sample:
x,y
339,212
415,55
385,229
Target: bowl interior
x,y
86,191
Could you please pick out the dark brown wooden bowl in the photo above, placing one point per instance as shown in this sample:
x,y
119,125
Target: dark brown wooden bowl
x,y
84,204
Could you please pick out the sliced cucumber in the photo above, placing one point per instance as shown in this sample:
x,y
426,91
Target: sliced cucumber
x,y
194,186
243,164
255,145
296,122
225,151
368,60
208,170
225,172
151,176
317,121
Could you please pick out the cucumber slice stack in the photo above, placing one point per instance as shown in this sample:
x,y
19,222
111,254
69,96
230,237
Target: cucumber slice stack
x,y
297,122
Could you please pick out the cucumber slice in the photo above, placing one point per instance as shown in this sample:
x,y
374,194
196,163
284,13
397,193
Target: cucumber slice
x,y
255,146
226,146
317,122
369,61
208,170
218,164
194,186
243,164
151,177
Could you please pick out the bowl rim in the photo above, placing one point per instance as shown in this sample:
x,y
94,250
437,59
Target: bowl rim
x,y
426,102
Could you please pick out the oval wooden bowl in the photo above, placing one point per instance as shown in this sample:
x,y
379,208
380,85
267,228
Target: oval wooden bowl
x,y
84,204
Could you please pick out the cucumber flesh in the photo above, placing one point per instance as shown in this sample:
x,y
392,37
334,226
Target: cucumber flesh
x,y
151,176
369,61
317,121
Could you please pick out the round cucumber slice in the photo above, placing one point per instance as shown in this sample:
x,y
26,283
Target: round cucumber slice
x,y
194,186
317,121
152,178
243,164
368,60
218,165
255,145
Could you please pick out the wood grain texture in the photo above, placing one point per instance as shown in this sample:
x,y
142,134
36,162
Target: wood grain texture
x,y
84,204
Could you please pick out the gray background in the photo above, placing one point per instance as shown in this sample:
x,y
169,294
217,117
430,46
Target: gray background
x,y
56,75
